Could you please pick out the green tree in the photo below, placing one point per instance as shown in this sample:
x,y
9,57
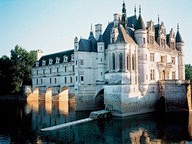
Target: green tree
x,y
188,72
16,70
5,75
22,62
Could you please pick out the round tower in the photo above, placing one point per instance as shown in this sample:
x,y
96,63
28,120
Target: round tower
x,y
143,54
100,61
179,47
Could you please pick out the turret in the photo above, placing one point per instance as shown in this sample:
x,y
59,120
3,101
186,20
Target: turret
x,y
76,44
143,54
100,60
179,47
92,41
140,31
179,40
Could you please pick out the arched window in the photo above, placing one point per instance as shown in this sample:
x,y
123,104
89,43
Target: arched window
x,y
113,61
120,62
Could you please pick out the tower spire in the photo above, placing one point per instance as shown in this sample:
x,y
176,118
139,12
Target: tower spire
x,y
135,10
139,9
177,26
158,20
124,16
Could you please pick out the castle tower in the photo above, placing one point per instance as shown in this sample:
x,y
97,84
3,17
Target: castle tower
x,y
100,62
179,47
143,53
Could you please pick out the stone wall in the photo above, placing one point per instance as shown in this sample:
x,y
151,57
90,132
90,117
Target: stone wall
x,y
175,94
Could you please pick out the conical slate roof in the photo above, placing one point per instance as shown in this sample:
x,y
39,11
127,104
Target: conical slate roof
x,y
140,24
179,38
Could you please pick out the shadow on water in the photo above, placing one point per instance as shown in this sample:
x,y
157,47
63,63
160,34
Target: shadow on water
x,y
21,123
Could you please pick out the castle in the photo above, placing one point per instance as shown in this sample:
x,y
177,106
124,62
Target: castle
x,y
125,69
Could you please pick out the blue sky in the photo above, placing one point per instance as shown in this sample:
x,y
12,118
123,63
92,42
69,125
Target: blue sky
x,y
51,25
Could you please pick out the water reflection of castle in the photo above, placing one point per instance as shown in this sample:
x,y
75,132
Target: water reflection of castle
x,y
147,129
46,113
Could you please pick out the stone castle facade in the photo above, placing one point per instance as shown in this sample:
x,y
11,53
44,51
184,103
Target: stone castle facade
x,y
119,69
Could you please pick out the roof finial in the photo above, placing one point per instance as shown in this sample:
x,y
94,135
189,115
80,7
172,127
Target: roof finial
x,y
140,9
135,10
158,20
177,26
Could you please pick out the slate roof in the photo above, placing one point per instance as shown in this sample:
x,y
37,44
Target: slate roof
x,y
100,39
140,24
123,36
106,34
88,45
132,21
156,31
53,56
178,37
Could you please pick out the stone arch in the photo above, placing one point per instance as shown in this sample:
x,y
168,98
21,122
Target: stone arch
x,y
162,104
99,99
63,88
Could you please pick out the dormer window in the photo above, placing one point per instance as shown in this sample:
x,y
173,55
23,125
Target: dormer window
x,y
65,59
37,64
50,61
43,63
72,57
57,60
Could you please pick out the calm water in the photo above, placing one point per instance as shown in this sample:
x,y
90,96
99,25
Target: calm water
x,y
21,123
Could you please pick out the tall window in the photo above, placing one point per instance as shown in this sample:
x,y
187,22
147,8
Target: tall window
x,y
57,69
37,72
65,68
50,81
173,76
133,62
113,57
43,71
152,57
41,81
55,80
73,68
50,70
65,79
71,80
127,62
152,75
82,78
120,61
163,59
37,81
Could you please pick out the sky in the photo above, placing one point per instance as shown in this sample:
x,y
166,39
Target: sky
x,y
52,25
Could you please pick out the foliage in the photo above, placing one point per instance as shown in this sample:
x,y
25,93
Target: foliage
x,y
16,70
188,72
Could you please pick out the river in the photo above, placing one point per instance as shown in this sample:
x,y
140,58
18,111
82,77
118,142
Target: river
x,y
21,123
